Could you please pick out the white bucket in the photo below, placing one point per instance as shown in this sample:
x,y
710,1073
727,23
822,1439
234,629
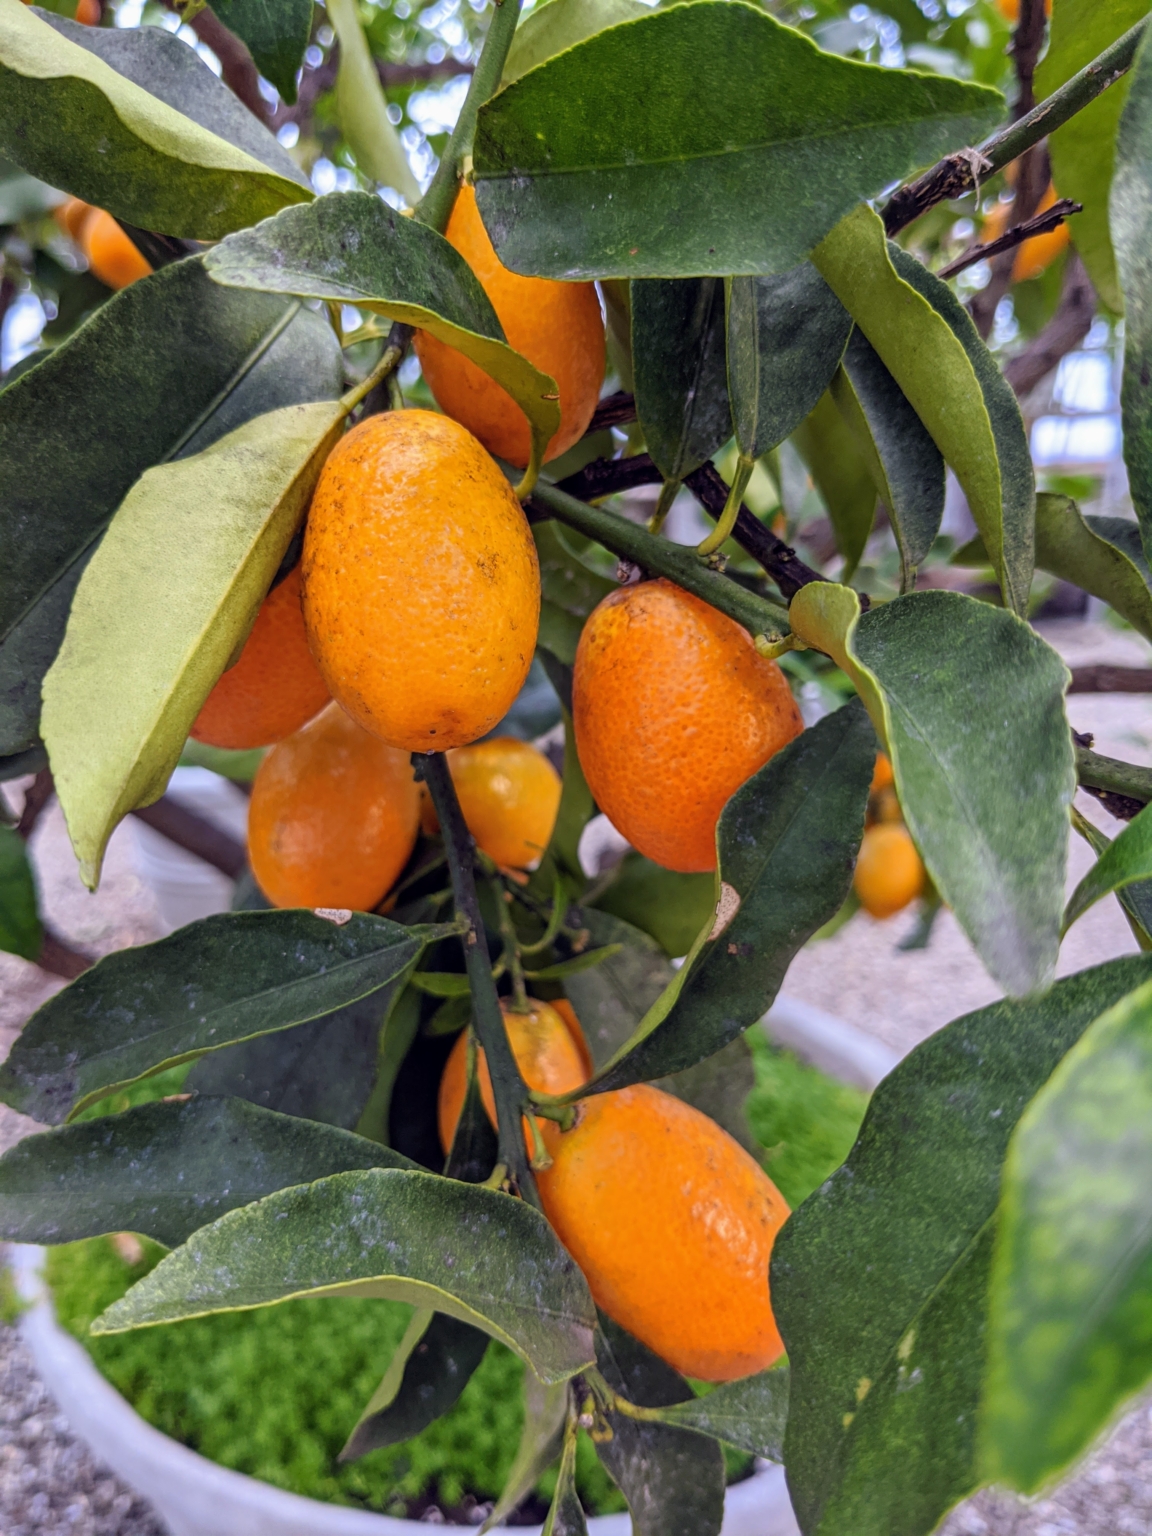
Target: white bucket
x,y
185,887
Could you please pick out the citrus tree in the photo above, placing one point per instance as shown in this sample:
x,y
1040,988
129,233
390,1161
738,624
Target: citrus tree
x,y
426,1071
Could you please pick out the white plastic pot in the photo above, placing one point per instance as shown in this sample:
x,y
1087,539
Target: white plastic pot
x,y
195,1497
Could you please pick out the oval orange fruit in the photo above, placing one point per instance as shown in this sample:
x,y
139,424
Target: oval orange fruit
x,y
557,326
111,255
889,872
274,687
674,709
421,583
333,815
509,794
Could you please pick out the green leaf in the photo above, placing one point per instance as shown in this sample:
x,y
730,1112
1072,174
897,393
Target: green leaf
x,y
164,66
69,118
569,589
1127,859
401,1021
904,462
166,1169
1103,555
787,843
786,336
441,983
1070,1309
924,337
1083,150
566,1514
562,855
957,689
433,1363
670,906
185,362
276,35
841,474
767,140
214,983
879,1281
719,1087
322,1071
1136,900
20,930
749,1414
611,1000
587,960
473,1253
681,385
673,1479
560,24
363,110
23,197
352,248
1131,234
163,605
544,1412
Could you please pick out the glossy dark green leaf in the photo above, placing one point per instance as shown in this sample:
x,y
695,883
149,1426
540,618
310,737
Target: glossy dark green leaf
x,y
956,689
164,604
164,65
786,335
905,463
1070,1316
678,369
841,474
20,930
166,1169
1103,555
749,1414
577,807
353,248
433,1363
560,24
480,1256
926,340
1127,859
1136,900
673,1479
187,362
321,1071
586,960
787,844
751,149
276,32
569,589
472,1155
566,1514
1131,222
1084,150
664,903
394,1040
544,1413
71,119
214,983
879,1280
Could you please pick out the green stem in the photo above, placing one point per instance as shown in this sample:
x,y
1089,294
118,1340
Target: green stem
x,y
668,494
435,207
511,946
663,558
508,1087
723,529
1110,774
957,174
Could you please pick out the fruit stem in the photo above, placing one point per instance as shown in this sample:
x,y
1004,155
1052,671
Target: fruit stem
x,y
390,360
745,464
511,947
435,207
508,1087
668,494
663,558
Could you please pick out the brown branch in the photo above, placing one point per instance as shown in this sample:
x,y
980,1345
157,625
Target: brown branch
x,y
58,958
1027,41
237,70
613,411
1108,679
1063,333
36,797
195,834
1038,225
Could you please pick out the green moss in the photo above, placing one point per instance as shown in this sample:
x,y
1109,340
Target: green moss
x,y
806,1121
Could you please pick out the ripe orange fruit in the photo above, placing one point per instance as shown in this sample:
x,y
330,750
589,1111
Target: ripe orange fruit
x,y
111,255
882,775
550,1061
509,794
557,326
672,1223
421,583
889,871
70,215
1010,9
274,688
332,819
89,12
674,709
1036,255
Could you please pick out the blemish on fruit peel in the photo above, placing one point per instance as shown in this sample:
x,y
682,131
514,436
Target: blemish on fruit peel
x,y
726,909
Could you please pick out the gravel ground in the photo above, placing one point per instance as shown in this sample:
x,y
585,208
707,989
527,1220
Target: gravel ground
x,y
50,1485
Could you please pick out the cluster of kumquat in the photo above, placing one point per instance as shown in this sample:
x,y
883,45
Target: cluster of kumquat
x,y
109,252
889,871
409,626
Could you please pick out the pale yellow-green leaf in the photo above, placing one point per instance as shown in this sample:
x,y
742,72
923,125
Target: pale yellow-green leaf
x,y
363,110
560,24
164,603
69,118
928,360
824,615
